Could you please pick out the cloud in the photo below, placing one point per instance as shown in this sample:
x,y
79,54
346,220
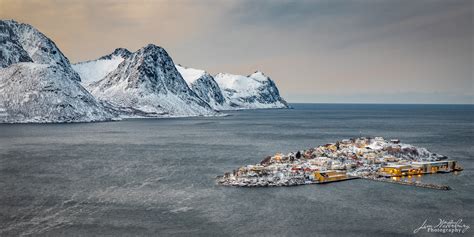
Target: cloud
x,y
90,28
310,48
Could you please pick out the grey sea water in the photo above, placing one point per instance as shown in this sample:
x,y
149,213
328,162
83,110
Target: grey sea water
x,y
156,177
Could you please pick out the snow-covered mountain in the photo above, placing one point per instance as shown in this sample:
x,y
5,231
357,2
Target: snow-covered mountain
x,y
204,85
148,81
37,83
95,70
230,92
256,91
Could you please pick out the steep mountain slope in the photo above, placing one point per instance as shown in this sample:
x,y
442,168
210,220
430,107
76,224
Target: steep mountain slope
x,y
148,81
256,91
11,50
27,39
37,83
204,85
95,70
31,92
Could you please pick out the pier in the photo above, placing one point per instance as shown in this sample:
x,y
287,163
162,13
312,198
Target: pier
x,y
417,184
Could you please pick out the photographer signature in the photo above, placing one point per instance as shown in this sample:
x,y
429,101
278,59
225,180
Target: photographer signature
x,y
444,226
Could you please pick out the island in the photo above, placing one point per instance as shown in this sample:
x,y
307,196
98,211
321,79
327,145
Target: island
x,y
372,158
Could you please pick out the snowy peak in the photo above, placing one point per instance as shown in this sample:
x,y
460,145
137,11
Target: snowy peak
x,y
37,46
149,82
151,68
37,83
228,92
239,82
11,51
204,85
118,52
259,76
250,92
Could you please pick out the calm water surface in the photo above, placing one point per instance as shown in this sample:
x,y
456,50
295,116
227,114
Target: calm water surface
x,y
156,176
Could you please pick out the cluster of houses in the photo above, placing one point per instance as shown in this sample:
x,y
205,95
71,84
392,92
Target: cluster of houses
x,y
342,160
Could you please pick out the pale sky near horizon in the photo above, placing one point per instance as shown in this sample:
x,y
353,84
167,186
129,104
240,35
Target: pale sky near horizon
x,y
333,51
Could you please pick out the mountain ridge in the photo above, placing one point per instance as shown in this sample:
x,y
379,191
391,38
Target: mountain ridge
x,y
39,84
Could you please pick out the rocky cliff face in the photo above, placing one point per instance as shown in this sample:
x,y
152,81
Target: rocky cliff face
x,y
148,81
204,85
37,83
11,51
256,91
27,44
118,52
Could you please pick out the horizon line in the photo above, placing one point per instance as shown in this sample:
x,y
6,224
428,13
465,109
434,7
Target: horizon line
x,y
375,103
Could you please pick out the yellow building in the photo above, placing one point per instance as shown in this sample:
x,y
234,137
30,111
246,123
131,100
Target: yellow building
x,y
329,176
257,169
436,166
400,170
332,147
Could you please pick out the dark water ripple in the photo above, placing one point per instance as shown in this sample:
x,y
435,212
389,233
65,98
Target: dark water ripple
x,y
156,176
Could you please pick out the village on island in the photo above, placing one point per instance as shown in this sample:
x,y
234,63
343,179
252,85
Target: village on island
x,y
365,157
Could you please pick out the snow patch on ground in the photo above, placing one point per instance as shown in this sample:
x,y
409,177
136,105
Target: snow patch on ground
x,y
190,75
93,71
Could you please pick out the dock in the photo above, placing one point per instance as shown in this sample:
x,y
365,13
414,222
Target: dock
x,y
417,184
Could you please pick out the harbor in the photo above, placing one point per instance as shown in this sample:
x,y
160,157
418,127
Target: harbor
x,y
369,158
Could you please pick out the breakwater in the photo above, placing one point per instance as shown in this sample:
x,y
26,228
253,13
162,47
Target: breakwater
x,y
402,182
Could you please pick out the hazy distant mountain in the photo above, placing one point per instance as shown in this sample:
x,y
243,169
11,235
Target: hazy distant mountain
x,y
256,91
148,81
37,83
230,92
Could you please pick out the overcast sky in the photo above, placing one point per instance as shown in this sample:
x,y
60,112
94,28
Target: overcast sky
x,y
369,51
